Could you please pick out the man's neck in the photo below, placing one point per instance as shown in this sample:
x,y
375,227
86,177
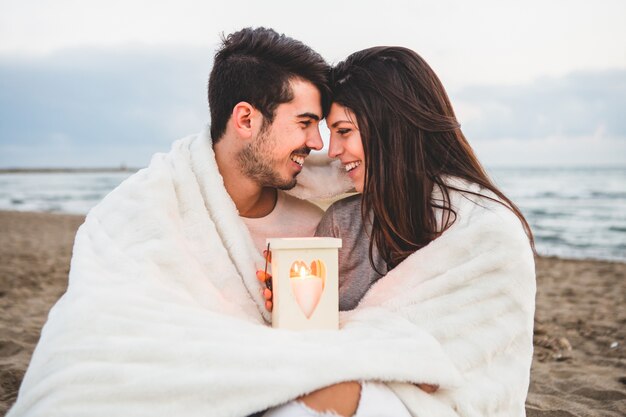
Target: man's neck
x,y
259,206
250,199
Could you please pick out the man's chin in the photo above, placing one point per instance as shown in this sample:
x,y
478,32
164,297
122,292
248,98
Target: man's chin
x,y
287,185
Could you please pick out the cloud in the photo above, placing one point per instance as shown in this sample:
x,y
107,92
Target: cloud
x,y
107,106
552,152
581,104
100,106
467,42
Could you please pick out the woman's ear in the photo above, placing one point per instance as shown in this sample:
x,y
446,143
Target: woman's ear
x,y
243,119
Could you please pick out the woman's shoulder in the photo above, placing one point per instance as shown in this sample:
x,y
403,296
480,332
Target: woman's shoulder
x,y
467,196
348,204
476,206
341,215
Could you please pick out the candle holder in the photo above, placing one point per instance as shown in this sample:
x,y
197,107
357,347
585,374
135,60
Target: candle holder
x,y
305,283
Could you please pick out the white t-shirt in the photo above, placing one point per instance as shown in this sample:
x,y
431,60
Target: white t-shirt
x,y
291,217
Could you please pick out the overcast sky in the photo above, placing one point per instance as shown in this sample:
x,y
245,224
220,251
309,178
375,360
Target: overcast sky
x,y
108,82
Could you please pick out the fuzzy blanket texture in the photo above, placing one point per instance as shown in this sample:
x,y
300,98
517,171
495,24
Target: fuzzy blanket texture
x,y
163,314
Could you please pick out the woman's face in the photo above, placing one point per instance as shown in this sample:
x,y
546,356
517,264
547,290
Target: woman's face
x,y
345,143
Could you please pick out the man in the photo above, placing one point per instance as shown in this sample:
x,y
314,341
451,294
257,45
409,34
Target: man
x,y
267,94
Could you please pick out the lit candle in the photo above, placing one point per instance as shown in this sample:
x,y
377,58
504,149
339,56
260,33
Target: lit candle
x,y
307,290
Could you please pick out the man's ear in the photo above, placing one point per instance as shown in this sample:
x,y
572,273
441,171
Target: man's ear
x,y
244,119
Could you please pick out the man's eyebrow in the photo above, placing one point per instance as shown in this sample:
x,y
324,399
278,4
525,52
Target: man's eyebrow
x,y
338,122
310,116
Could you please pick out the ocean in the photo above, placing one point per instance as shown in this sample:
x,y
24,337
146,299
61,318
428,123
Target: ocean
x,y
575,213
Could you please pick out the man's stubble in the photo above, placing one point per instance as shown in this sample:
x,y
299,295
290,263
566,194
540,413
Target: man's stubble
x,y
257,162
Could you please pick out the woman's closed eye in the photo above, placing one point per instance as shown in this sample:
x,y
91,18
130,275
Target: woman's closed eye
x,y
344,131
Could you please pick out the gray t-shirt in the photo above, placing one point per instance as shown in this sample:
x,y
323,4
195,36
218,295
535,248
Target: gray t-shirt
x,y
343,220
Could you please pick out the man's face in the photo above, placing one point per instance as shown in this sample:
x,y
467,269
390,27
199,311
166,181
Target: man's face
x,y
275,157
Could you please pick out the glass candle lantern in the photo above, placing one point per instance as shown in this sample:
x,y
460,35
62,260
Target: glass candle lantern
x,y
305,282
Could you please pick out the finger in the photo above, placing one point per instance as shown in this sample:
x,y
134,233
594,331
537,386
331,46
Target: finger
x,y
267,294
268,305
262,276
428,388
267,255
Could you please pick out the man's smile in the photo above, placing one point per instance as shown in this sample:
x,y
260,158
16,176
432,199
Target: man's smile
x,y
298,159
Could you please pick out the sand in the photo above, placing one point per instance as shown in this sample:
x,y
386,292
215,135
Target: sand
x,y
579,368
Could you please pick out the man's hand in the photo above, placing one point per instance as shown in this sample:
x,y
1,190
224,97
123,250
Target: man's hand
x,y
266,279
267,293
342,398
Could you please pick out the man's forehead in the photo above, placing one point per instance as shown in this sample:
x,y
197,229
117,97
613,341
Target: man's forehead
x,y
307,100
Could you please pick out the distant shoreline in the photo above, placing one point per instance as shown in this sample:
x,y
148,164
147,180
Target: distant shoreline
x,y
323,204
135,169
65,170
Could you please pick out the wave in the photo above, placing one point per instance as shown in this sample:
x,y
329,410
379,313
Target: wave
x,y
574,213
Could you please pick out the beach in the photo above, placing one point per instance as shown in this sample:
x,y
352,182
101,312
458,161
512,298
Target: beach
x,y
579,366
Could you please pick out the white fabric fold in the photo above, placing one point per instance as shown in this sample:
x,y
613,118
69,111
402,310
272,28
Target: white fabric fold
x,y
321,178
473,289
163,314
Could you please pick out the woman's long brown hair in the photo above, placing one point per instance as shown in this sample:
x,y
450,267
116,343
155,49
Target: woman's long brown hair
x,y
412,143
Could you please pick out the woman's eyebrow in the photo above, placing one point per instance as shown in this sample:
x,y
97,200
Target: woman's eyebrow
x,y
339,122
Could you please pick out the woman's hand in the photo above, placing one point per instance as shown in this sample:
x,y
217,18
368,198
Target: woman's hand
x,y
427,388
342,398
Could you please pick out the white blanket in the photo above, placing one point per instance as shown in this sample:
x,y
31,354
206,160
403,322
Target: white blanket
x,y
163,315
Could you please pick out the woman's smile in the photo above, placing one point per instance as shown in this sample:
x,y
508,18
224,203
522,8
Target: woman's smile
x,y
346,144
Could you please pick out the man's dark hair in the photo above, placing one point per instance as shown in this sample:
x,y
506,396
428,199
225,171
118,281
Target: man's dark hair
x,y
257,66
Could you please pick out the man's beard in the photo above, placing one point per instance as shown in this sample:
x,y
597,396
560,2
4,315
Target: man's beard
x,y
256,162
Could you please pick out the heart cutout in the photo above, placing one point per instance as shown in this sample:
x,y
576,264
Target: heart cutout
x,y
307,284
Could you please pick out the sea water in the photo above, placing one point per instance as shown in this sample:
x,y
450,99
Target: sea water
x,y
64,192
573,212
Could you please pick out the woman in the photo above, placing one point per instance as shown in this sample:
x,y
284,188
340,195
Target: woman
x,y
419,182
395,132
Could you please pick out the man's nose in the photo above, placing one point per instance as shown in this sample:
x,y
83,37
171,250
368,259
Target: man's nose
x,y
314,141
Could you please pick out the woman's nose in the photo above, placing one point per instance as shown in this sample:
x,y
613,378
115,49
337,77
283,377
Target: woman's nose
x,y
334,148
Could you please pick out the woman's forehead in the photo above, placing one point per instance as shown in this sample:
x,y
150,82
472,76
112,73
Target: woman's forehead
x,y
340,114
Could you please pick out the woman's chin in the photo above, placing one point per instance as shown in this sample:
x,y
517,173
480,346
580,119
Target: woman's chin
x,y
356,179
